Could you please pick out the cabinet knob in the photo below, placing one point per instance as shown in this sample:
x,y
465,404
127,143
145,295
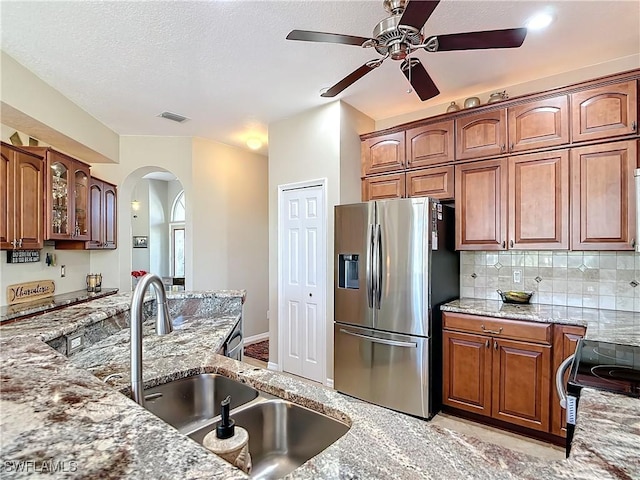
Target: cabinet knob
x,y
20,243
495,345
634,125
502,148
512,146
486,343
511,243
504,244
633,243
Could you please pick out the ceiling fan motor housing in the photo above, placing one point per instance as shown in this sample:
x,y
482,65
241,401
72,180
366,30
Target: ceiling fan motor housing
x,y
393,40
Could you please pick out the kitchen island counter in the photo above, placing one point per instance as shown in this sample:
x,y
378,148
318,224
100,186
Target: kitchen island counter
x,y
53,408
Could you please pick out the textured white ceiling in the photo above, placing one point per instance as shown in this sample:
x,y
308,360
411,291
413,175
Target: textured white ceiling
x,y
227,66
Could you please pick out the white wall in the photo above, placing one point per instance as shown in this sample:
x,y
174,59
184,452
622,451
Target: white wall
x,y
34,107
229,217
319,143
158,228
140,257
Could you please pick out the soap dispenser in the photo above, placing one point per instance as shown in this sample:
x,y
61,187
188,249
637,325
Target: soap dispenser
x,y
228,441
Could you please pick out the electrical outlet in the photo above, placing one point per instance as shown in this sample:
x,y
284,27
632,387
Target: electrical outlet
x,y
517,276
63,273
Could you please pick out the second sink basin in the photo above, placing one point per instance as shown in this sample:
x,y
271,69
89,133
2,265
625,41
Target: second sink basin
x,y
282,435
190,402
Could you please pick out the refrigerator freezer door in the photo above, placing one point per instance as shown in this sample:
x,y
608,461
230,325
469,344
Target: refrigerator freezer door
x,y
353,250
383,368
403,270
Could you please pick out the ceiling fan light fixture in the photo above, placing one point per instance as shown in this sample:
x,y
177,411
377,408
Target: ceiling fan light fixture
x,y
254,143
539,21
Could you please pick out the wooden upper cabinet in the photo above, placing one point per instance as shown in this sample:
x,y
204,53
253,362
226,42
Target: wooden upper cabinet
x,y
481,205
603,112
110,216
430,144
6,198
543,123
385,153
467,372
481,135
539,201
435,182
565,340
96,200
391,185
21,198
603,201
521,383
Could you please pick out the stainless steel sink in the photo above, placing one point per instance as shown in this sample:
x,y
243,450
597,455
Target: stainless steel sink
x,y
192,402
282,435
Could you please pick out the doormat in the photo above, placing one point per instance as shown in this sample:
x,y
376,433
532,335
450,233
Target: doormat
x,y
259,351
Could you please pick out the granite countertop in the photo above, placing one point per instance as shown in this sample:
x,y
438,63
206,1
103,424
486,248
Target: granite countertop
x,y
42,305
53,408
602,325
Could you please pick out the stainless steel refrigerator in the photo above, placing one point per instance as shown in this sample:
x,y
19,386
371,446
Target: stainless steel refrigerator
x,y
395,263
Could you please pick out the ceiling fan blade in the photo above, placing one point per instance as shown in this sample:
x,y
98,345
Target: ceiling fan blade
x,y
419,78
308,36
417,12
509,38
351,78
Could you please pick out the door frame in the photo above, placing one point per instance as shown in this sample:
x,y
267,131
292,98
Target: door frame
x,y
322,267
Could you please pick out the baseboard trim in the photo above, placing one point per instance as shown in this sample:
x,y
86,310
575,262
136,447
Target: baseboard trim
x,y
273,366
329,382
256,338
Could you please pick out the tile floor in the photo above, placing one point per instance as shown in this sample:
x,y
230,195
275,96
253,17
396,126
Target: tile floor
x,y
488,434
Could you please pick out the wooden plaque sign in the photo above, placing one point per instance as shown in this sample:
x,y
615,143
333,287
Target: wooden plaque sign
x,y
25,292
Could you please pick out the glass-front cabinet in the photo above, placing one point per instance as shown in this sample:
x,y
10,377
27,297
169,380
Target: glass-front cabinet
x,y
67,199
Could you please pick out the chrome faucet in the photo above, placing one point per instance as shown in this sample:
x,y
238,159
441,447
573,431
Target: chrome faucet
x,y
163,326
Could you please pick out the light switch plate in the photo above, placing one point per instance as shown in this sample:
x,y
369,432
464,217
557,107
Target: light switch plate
x,y
75,342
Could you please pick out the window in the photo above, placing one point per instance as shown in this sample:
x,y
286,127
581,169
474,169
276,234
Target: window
x,y
178,235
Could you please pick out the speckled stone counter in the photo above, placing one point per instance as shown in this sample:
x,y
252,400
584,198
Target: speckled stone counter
x,y
53,408
13,312
602,325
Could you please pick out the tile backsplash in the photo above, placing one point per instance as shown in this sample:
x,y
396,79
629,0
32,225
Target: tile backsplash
x,y
609,280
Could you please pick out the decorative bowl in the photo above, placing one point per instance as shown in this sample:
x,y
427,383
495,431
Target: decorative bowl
x,y
513,296
471,102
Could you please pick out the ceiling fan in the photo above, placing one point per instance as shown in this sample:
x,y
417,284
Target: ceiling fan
x,y
399,35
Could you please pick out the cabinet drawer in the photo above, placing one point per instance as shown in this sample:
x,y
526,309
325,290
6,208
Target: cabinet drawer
x,y
498,327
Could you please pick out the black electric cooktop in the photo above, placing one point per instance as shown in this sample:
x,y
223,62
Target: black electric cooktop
x,y
606,366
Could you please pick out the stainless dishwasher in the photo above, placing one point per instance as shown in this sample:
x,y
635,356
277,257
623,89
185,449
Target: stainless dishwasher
x,y
233,346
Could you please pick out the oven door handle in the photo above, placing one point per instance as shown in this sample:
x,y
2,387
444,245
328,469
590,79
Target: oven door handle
x,y
560,388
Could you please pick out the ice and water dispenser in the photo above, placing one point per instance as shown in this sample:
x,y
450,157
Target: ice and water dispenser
x,y
348,271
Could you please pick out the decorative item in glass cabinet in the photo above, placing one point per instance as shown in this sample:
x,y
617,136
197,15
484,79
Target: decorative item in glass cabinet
x,y
453,107
471,102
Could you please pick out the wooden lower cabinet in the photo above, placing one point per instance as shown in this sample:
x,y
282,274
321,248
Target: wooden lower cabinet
x,y
521,374
383,187
496,377
565,340
467,372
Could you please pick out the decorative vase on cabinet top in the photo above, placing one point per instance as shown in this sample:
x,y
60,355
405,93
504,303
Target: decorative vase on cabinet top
x,y
497,96
453,107
471,102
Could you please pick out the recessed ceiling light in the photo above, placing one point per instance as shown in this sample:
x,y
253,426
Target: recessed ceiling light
x,y
254,143
539,21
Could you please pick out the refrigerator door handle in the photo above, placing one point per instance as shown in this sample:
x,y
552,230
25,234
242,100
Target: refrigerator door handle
x,y
370,248
393,343
378,265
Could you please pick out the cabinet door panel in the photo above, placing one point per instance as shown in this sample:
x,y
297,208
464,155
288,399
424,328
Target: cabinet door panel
x,y
96,198
481,135
6,199
29,200
565,339
383,186
542,123
385,153
110,216
604,112
434,182
481,205
603,196
430,144
521,383
467,372
539,201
